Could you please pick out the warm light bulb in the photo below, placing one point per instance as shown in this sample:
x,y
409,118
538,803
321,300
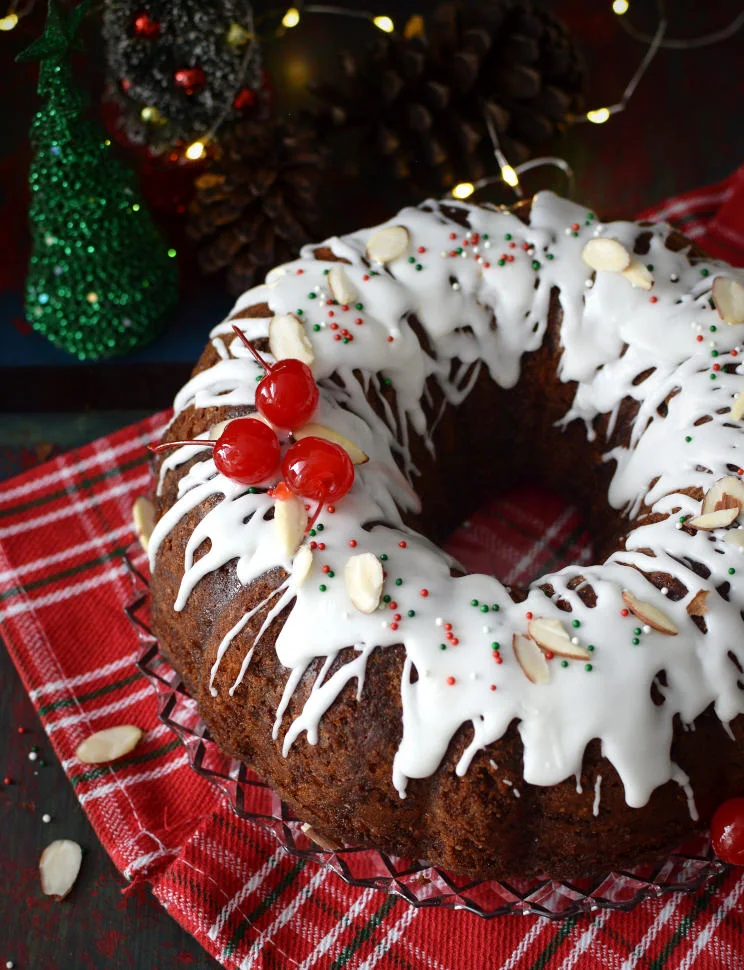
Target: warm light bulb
x,y
291,18
599,116
509,175
384,23
620,7
463,190
195,151
8,22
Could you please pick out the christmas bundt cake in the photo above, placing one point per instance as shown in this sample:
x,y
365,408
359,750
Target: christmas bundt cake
x,y
354,409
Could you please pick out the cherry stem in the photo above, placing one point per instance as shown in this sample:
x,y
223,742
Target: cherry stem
x,y
249,345
316,513
203,443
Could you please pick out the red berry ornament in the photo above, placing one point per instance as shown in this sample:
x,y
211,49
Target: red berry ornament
x,y
190,79
727,831
318,469
145,27
288,395
247,451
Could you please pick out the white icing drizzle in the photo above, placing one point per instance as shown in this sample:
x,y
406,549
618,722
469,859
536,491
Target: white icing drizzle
x,y
476,312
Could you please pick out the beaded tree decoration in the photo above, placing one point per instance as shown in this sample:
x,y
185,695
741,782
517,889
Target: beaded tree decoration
x,y
101,280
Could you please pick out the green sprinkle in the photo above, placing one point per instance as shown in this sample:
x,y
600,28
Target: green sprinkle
x,y
484,236
731,571
635,641
590,648
688,438
299,312
398,582
344,340
359,306
713,328
322,587
495,607
650,267
320,527
591,215
588,668
373,272
330,573
474,602
712,377
383,556
502,262
387,382
495,645
484,608
714,353
251,490
535,264
683,519
312,533
412,612
312,296
326,272
576,624
507,236
705,272
549,256
564,663
637,631
316,327
442,646
411,259
386,598
574,234
419,267
259,378
459,250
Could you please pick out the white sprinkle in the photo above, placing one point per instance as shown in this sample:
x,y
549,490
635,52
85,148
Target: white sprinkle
x,y
9,964
213,691
516,793
568,232
443,254
674,278
487,629
455,285
575,641
507,782
664,591
589,284
487,244
439,621
384,624
473,676
46,818
677,525
493,764
464,254
32,756
646,628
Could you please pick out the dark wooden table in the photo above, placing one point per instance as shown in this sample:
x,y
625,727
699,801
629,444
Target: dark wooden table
x,y
683,129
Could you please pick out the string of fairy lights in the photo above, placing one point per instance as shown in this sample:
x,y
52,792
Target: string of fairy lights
x,y
293,16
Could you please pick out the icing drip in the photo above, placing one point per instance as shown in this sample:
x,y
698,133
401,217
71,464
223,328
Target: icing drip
x,y
482,295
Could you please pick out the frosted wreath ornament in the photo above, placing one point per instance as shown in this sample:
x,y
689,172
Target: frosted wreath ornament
x,y
316,466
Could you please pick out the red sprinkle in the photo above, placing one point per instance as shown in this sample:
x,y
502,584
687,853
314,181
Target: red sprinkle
x,y
390,339
334,326
510,259
699,338
716,367
575,226
528,615
331,313
498,658
734,353
526,246
486,266
393,605
397,617
21,730
359,321
393,626
329,302
344,307
453,235
447,626
313,544
425,593
421,249
365,277
337,336
476,238
7,780
326,569
653,299
300,272
331,508
453,253
492,687
450,680
454,641
624,612
549,654
740,471
402,543
512,245
353,543
321,546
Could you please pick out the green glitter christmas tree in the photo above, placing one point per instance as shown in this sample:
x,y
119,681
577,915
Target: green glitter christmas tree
x,y
101,280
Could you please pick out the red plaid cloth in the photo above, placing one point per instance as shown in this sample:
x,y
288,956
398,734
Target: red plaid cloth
x,y
63,530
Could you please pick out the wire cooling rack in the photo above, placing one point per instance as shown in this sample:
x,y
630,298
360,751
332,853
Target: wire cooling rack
x,y
418,883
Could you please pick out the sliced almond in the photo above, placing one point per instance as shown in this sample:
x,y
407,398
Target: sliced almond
x,y
714,520
698,605
649,614
727,493
639,275
728,297
143,516
735,538
287,338
531,659
314,430
387,244
606,254
737,408
108,745
290,522
340,285
364,579
301,566
319,839
551,635
59,866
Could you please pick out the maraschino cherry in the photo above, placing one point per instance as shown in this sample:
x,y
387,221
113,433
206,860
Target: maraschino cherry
x,y
727,831
247,451
288,395
318,469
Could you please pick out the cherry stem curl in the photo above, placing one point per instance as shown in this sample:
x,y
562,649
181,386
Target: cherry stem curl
x,y
317,512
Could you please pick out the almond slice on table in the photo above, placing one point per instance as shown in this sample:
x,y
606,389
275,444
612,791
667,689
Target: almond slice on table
x,y
388,244
319,839
550,634
639,275
737,408
59,866
108,745
728,298
606,254
287,338
698,605
531,659
340,285
290,522
358,457
649,614
301,566
363,576
143,517
714,520
727,493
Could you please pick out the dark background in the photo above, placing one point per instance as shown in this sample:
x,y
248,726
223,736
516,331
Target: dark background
x,y
683,128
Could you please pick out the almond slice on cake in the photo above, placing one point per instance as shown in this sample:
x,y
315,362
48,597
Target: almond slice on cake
x,y
649,614
531,659
290,522
606,254
108,745
302,564
727,493
698,605
388,244
728,298
287,338
550,634
363,576
714,520
312,429
639,275
340,285
737,408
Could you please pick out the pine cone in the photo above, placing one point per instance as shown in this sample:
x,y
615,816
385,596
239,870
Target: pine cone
x,y
256,204
420,99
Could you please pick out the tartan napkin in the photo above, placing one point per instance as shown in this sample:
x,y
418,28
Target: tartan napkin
x,y
64,528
